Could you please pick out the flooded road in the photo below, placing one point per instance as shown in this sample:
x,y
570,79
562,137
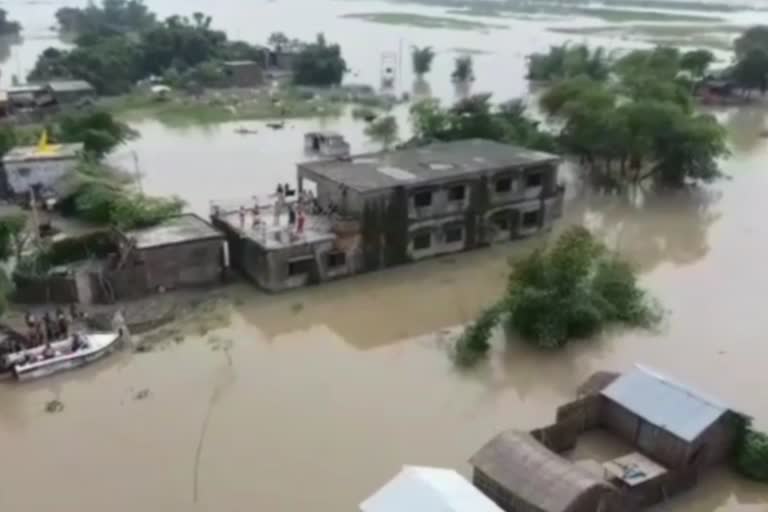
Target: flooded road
x,y
326,392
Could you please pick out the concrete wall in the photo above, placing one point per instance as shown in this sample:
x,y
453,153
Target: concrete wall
x,y
195,263
245,75
350,201
21,176
437,230
714,446
58,289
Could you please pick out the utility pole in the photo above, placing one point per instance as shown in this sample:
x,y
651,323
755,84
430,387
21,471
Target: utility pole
x,y
137,172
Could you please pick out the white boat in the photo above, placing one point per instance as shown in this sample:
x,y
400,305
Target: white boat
x,y
33,363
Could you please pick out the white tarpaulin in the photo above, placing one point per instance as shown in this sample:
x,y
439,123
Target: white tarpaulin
x,y
425,489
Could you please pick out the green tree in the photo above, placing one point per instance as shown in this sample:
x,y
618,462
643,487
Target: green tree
x,y
278,40
754,38
697,62
422,59
383,130
463,69
98,131
110,18
8,27
567,61
751,71
14,234
8,139
319,64
752,455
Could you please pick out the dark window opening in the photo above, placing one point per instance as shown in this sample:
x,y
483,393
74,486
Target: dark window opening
x,y
300,267
422,199
457,193
422,241
25,171
534,180
453,234
336,259
504,185
531,219
501,221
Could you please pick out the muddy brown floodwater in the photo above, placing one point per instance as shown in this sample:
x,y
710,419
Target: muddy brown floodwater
x,y
331,389
327,391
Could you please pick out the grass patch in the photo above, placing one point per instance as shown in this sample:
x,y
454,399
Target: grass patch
x,y
622,15
421,21
181,110
491,7
524,10
719,37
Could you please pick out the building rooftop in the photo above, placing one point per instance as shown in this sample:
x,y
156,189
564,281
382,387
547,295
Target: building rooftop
x,y
424,489
238,63
413,166
34,153
665,403
25,88
176,230
70,86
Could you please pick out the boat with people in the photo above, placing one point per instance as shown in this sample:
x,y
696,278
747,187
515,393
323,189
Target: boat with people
x,y
72,352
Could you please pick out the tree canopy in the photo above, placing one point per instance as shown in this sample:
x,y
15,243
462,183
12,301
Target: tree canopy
x,y
570,291
384,130
319,64
422,59
8,27
463,70
477,117
99,132
567,61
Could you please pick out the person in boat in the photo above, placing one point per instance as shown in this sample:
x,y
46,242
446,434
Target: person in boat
x,y
61,319
29,319
78,342
48,351
50,326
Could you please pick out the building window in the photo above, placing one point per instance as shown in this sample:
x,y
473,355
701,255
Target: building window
x,y
422,241
457,193
336,259
300,267
531,219
24,171
534,180
422,199
453,234
501,220
503,185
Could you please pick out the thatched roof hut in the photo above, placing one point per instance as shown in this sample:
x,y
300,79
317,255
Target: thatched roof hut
x,y
519,473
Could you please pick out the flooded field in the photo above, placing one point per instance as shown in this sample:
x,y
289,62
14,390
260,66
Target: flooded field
x,y
310,400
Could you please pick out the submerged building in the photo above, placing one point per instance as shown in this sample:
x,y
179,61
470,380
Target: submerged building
x,y
377,210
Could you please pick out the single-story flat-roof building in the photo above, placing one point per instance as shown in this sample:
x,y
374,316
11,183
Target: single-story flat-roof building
x,y
70,91
39,167
243,73
426,489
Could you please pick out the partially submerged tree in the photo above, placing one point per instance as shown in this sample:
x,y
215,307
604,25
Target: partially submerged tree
x,y
99,131
697,62
422,59
571,291
384,130
463,69
752,455
14,235
8,27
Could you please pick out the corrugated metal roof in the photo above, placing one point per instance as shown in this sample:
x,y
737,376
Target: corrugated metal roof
x,y
665,403
424,489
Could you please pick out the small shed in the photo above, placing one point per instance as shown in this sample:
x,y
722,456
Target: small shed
x,y
70,91
183,251
326,143
426,489
522,475
39,167
244,73
668,421
27,96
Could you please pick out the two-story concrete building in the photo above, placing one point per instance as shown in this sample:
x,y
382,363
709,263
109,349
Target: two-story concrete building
x,y
382,209
39,168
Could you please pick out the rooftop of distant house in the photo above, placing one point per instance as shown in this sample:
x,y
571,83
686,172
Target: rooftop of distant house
x,y
664,402
34,153
25,88
421,165
175,230
70,86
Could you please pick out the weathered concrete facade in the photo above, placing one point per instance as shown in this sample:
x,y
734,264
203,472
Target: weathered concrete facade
x,y
383,209
31,167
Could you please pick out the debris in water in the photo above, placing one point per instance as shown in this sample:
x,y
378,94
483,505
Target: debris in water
x,y
143,347
297,308
54,406
141,395
178,338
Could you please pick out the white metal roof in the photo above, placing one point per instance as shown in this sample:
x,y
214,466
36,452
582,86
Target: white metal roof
x,y
426,489
665,403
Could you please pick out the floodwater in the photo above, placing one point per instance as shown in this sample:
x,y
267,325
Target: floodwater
x,y
323,393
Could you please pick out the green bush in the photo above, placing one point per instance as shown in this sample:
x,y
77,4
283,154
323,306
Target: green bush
x,y
752,455
68,250
473,344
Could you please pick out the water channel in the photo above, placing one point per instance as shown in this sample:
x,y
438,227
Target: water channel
x,y
322,394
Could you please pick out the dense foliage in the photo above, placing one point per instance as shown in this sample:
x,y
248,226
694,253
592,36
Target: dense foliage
x,y
641,125
752,455
8,27
571,291
422,59
567,61
476,117
13,235
319,64
99,132
121,42
463,70
383,130
473,344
